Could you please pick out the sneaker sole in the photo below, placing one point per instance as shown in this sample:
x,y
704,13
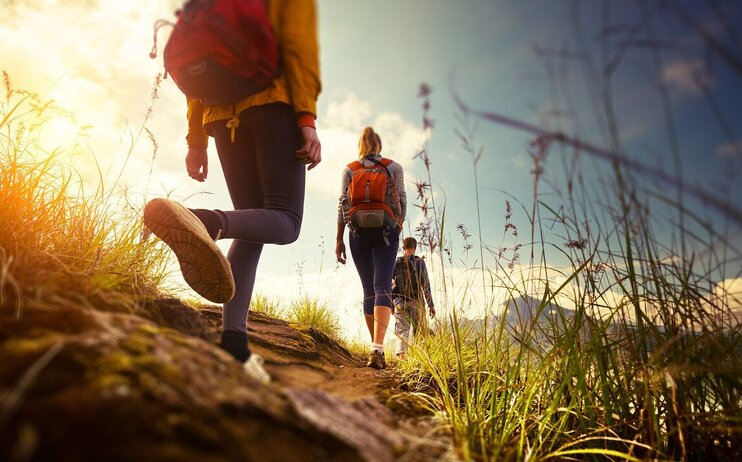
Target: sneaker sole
x,y
204,266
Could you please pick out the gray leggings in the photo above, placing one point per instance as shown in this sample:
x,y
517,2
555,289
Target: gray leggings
x,y
266,184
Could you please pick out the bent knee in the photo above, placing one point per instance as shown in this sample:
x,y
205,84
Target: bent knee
x,y
290,234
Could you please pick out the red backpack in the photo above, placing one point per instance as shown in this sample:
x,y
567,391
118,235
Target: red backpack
x,y
367,195
221,51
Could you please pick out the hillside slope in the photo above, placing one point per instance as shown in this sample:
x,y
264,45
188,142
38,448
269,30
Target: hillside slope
x,y
82,384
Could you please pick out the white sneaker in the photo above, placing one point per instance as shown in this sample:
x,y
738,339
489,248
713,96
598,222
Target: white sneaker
x,y
255,369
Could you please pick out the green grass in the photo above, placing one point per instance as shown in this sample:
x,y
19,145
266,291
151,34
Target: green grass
x,y
356,346
655,373
304,310
648,365
311,312
58,238
589,393
262,303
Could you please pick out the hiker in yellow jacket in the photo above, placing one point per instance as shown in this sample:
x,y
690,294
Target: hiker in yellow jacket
x,y
264,142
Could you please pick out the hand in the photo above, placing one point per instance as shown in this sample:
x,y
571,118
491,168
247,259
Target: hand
x,y
197,163
311,153
432,311
340,252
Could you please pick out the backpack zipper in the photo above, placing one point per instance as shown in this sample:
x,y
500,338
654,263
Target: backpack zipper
x,y
368,191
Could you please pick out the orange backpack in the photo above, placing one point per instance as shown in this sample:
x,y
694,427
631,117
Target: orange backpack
x,y
367,195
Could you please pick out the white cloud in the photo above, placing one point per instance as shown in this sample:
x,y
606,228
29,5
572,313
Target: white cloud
x,y
347,112
339,129
91,58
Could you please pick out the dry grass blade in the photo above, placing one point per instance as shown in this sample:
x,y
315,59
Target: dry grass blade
x,y
582,146
17,395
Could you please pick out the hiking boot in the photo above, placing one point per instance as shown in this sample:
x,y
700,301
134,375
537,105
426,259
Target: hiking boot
x,y
376,360
203,265
254,367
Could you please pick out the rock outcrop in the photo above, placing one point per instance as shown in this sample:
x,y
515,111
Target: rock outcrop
x,y
79,384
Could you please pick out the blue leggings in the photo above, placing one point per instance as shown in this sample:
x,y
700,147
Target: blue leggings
x,y
266,185
374,259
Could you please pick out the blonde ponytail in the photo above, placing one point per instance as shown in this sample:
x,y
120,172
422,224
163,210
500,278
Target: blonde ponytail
x,y
369,143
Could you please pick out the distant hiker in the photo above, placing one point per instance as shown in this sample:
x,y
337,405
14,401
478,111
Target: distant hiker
x,y
373,204
411,289
264,134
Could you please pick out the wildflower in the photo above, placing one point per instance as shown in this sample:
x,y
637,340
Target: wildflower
x,y
508,225
156,87
8,86
425,90
428,123
422,188
576,244
464,233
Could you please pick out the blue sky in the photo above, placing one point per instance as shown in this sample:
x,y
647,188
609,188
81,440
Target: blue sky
x,y
485,52
91,57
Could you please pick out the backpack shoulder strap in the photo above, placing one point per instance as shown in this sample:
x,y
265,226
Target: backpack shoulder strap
x,y
383,163
355,165
413,263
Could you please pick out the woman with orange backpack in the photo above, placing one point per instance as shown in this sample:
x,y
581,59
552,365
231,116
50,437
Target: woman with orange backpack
x,y
373,205
265,138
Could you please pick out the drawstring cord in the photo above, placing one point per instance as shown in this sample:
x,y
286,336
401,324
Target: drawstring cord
x,y
158,24
233,123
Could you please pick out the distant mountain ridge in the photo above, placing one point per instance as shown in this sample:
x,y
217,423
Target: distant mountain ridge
x,y
519,312
524,308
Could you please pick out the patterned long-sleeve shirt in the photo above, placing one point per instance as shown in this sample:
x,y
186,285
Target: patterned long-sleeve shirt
x,y
421,274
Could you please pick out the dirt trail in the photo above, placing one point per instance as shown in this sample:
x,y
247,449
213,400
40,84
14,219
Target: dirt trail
x,y
305,359
300,358
84,384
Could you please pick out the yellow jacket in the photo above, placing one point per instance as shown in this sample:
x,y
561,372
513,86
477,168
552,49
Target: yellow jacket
x,y
295,25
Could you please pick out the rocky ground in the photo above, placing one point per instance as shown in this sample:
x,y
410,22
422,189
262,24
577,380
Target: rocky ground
x,y
79,384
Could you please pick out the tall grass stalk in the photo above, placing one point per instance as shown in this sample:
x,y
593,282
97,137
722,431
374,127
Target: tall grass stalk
x,y
643,359
57,240
262,303
466,136
433,227
311,312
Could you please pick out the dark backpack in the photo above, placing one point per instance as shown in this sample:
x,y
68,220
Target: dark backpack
x,y
369,194
406,279
221,51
